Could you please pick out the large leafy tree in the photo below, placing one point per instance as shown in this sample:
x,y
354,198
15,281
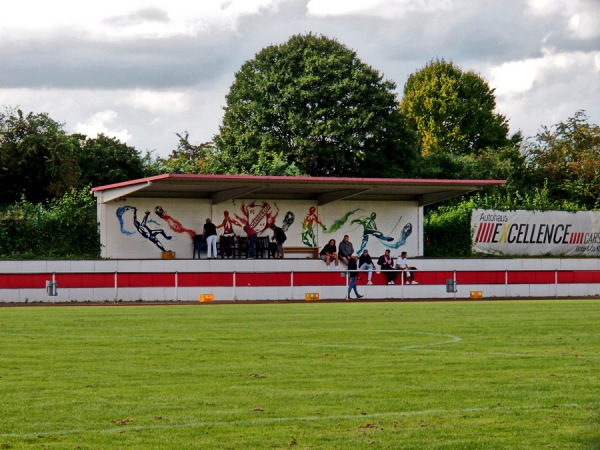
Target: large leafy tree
x,y
36,157
310,106
105,160
566,157
452,111
40,161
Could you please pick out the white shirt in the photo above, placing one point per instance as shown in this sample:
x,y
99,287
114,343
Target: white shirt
x,y
402,263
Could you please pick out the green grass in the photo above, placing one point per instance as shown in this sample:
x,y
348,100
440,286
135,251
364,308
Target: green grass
x,y
467,375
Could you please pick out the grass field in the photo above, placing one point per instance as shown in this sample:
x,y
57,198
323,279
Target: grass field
x,y
502,374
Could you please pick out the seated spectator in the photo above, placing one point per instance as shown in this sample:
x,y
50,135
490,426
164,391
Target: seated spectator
x,y
408,275
346,249
329,253
387,265
366,263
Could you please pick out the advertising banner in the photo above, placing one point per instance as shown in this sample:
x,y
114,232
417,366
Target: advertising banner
x,y
535,233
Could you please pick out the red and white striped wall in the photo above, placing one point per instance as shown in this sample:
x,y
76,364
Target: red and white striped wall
x,y
288,279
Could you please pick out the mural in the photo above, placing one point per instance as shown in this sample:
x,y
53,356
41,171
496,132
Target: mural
x,y
309,223
227,224
288,220
370,229
257,217
143,227
174,224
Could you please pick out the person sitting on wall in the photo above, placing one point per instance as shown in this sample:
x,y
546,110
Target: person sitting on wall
x,y
346,249
407,272
366,263
387,265
329,253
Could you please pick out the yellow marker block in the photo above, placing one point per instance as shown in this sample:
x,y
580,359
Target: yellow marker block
x,y
311,296
476,294
206,298
168,255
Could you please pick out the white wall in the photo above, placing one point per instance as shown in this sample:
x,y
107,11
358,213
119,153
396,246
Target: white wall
x,y
392,219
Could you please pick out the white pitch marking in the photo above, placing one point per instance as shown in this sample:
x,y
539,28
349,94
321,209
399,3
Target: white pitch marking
x,y
291,419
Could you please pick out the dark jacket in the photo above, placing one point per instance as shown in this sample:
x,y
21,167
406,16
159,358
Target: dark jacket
x,y
210,229
365,259
352,268
279,234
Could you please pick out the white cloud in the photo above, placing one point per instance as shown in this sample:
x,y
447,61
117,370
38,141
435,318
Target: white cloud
x,y
376,8
515,78
580,17
98,124
168,102
546,90
111,19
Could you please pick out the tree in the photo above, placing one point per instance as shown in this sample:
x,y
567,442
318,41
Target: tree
x,y
188,158
105,160
310,106
36,157
567,158
453,111
40,161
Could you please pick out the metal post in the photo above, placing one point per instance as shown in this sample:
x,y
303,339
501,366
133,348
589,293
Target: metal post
x,y
234,286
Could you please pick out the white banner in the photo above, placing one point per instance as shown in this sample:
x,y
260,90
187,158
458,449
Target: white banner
x,y
536,233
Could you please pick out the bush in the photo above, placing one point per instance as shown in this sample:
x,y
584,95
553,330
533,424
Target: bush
x,y
64,228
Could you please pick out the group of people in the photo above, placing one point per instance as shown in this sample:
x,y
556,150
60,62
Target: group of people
x,y
364,263
209,232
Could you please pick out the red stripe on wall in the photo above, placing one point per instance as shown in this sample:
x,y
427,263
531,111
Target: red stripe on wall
x,y
146,280
24,280
584,276
205,279
332,278
263,279
480,277
85,280
532,277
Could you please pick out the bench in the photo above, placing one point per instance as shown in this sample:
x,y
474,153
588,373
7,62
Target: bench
x,y
313,251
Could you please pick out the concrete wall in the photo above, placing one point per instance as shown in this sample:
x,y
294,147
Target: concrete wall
x,y
288,279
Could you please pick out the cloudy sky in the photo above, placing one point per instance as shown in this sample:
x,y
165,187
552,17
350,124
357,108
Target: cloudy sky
x,y
143,70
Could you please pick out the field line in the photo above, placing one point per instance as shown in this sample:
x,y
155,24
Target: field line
x,y
263,421
450,340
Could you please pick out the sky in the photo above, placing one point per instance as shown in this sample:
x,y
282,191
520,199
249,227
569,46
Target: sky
x,y
144,70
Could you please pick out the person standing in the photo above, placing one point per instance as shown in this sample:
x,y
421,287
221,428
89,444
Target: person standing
x,y
210,235
387,265
279,237
366,263
352,273
251,233
408,275
346,249
329,252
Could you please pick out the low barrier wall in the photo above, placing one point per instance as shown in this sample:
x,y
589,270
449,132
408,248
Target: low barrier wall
x,y
248,280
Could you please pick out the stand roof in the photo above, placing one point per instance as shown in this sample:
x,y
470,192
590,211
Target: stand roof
x,y
323,190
